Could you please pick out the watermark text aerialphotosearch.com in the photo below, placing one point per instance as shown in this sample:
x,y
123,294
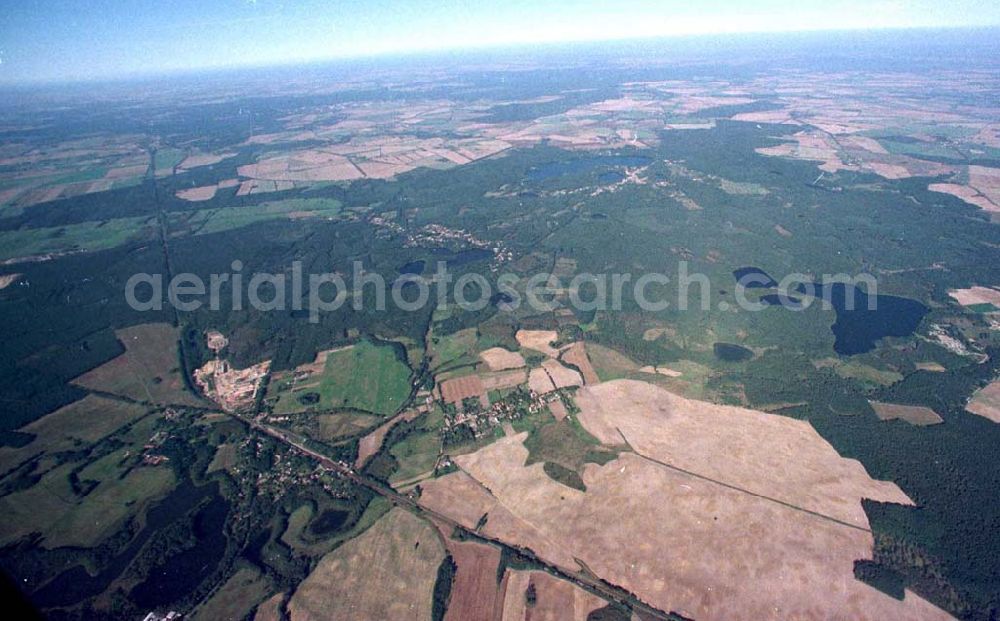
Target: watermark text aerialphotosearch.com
x,y
330,291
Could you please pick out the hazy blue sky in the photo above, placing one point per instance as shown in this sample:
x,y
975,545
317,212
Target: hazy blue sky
x,y
54,39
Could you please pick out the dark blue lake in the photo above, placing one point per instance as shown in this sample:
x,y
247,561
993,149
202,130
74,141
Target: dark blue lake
x,y
413,267
861,324
730,352
753,278
862,320
179,574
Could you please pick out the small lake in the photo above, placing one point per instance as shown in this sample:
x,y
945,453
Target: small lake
x,y
582,165
857,329
753,278
730,352
330,521
180,573
413,267
451,259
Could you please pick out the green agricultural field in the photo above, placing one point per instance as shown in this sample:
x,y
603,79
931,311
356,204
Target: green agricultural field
x,y
295,534
416,456
166,159
110,485
149,370
65,519
205,221
365,377
105,509
565,443
297,521
68,428
456,348
237,597
83,237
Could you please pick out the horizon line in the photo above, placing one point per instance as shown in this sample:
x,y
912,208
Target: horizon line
x,y
401,54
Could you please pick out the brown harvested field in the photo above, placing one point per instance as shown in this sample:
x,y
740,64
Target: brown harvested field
x,y
305,372
204,159
333,426
562,377
987,181
261,186
270,609
80,423
388,572
864,143
459,388
558,409
202,193
576,355
371,443
760,447
309,165
767,489
653,333
504,379
7,280
474,592
976,295
656,531
889,171
930,366
986,402
540,382
808,145
101,185
500,359
147,371
555,599
970,195
464,497
661,370
383,170
538,340
913,414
